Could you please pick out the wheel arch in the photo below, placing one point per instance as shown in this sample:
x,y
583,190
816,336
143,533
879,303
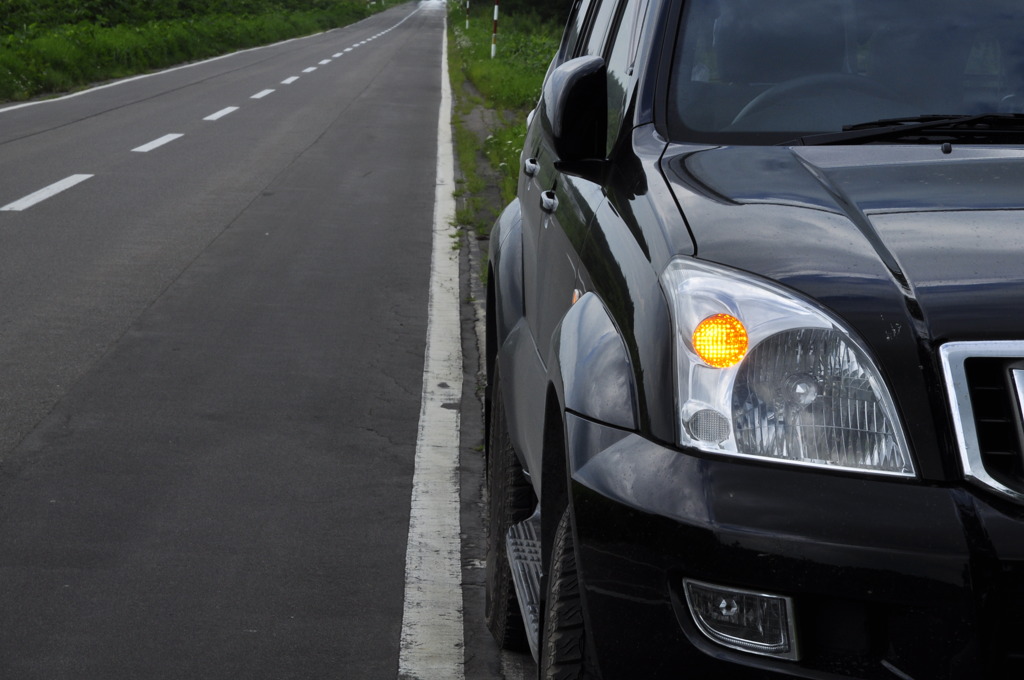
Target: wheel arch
x,y
504,292
591,376
504,280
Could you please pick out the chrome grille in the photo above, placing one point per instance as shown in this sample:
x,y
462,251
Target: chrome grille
x,y
985,382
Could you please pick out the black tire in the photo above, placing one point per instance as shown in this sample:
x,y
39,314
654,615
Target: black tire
x,y
563,641
509,501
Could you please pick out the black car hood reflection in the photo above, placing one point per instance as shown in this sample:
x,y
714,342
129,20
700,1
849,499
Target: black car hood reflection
x,y
853,225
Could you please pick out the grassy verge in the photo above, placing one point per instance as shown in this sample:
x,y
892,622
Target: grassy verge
x,y
42,60
492,100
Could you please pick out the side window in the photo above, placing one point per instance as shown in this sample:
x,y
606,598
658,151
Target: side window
x,y
599,28
620,61
573,31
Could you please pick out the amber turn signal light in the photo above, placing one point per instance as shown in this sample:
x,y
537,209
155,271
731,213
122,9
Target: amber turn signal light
x,y
720,340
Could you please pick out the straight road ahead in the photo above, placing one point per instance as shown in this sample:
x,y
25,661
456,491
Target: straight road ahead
x,y
213,319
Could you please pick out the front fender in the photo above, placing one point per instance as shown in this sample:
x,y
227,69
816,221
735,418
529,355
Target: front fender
x,y
597,376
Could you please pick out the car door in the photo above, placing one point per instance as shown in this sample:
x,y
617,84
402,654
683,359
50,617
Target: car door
x,y
557,209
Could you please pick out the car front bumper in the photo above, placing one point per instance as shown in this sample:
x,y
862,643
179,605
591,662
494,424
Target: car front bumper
x,y
888,578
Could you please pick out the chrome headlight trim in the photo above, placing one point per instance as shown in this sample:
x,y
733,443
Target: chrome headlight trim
x,y
839,415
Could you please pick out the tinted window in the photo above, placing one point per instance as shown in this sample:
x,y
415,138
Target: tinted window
x,y
620,65
599,28
774,66
573,30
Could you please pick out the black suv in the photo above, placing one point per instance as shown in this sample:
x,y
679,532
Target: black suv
x,y
756,345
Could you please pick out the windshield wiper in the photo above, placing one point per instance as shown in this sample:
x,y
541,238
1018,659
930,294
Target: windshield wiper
x,y
887,128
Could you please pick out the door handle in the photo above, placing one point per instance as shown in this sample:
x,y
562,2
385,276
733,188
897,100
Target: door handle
x,y
531,167
548,202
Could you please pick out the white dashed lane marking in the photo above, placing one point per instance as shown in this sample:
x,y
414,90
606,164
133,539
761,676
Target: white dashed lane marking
x,y
65,184
220,114
45,193
156,143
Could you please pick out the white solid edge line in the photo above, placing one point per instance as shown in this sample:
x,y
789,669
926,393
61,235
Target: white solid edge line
x,y
156,143
45,193
432,642
220,114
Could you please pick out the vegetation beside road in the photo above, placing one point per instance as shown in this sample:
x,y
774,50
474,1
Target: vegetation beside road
x,y
50,46
492,99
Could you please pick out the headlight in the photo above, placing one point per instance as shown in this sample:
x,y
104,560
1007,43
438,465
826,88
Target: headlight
x,y
765,374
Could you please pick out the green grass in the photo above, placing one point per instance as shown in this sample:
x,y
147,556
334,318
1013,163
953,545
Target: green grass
x,y
43,59
513,78
508,87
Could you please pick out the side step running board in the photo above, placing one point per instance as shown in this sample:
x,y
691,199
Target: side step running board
x,y
523,546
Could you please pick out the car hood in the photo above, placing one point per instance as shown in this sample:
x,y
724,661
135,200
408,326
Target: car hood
x,y
885,235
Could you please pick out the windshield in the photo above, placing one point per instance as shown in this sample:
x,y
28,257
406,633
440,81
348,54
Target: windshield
x,y
763,71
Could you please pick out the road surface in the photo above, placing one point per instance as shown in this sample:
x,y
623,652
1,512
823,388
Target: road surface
x,y
215,286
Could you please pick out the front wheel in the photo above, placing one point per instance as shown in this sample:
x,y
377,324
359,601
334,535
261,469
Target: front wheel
x,y
563,644
509,501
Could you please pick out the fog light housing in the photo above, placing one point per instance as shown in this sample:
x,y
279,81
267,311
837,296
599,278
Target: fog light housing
x,y
752,622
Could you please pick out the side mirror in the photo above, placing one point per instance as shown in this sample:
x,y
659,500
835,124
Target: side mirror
x,y
575,114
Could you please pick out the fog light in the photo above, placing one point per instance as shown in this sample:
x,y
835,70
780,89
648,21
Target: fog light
x,y
742,619
709,426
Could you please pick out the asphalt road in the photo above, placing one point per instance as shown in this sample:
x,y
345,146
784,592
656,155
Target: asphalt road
x,y
214,290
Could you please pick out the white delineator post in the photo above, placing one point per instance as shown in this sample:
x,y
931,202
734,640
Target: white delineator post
x,y
467,15
494,35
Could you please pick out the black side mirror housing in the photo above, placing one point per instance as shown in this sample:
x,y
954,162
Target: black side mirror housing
x,y
575,115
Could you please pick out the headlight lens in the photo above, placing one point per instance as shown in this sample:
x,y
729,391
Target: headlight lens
x,y
806,392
